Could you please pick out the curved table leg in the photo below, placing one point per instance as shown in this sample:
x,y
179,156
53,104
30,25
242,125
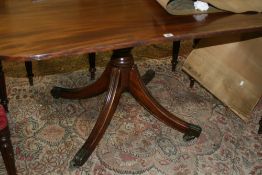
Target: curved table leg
x,y
139,91
92,90
106,114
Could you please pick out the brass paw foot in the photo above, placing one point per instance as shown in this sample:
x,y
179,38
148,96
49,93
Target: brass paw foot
x,y
194,132
148,76
56,92
79,159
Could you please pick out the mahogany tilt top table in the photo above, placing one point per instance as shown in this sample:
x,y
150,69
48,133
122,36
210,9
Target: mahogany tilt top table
x,y
47,29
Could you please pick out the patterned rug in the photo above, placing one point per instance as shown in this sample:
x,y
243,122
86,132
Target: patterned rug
x,y
47,132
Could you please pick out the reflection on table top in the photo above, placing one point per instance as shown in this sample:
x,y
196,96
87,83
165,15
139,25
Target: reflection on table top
x,y
52,28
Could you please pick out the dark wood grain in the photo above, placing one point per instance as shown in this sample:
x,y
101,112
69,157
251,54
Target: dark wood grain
x,y
260,126
45,29
3,93
6,149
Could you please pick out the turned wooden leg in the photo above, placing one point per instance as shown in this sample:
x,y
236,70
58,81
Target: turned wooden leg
x,y
6,149
92,65
29,71
176,47
260,127
106,114
192,80
92,90
142,95
3,94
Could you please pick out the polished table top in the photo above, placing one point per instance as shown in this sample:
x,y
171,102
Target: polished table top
x,y
52,28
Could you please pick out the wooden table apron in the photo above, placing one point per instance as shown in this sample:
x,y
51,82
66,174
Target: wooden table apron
x,y
40,30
